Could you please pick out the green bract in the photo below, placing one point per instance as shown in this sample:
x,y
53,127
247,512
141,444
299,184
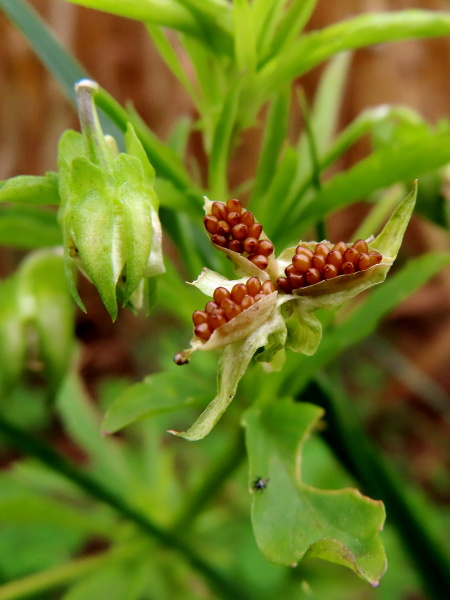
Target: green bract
x,y
281,320
108,210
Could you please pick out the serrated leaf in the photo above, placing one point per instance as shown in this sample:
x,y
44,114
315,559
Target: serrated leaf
x,y
339,526
28,189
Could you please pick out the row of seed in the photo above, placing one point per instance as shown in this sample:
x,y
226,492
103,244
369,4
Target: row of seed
x,y
227,305
308,267
231,227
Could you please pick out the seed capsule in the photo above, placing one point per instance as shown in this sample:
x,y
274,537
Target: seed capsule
x,y
259,261
335,258
199,316
235,246
350,255
313,276
348,268
340,247
318,262
216,319
210,223
363,261
265,247
210,306
250,244
233,218
255,230
239,231
375,258
218,209
247,218
203,331
330,271
301,262
268,287
297,280
220,294
247,301
234,205
253,286
361,246
284,285
238,292
219,240
321,250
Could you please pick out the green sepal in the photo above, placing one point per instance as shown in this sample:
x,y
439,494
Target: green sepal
x,y
340,526
29,189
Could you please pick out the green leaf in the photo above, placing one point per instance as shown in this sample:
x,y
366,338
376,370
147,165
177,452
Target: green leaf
x,y
244,37
27,189
29,227
340,526
12,335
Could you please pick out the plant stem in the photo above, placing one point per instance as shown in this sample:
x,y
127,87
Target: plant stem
x,y
224,586
347,437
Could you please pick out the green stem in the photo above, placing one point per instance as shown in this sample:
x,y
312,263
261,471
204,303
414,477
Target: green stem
x,y
224,586
346,435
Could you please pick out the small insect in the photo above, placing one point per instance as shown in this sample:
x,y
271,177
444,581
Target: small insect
x,y
260,484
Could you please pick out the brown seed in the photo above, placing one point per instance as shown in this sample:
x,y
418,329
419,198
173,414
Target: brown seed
x,y
236,246
250,245
350,255
247,301
203,331
265,247
219,240
361,246
239,231
210,223
303,250
253,286
234,205
340,247
348,268
330,271
220,294
199,316
219,210
321,250
297,280
268,287
375,258
230,309
363,261
290,269
216,319
238,291
259,296
335,258
223,228
210,306
313,276
258,260
318,262
301,262
233,218
255,230
247,218
284,285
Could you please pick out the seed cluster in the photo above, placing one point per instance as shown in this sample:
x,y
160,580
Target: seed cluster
x,y
236,229
308,268
227,305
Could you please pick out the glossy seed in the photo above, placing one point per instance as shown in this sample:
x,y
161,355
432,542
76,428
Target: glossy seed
x,y
303,250
247,301
330,271
253,286
210,223
259,261
284,285
234,205
218,209
220,294
239,231
250,245
301,262
321,250
375,258
363,261
350,255
199,316
238,292
216,319
361,246
318,262
230,309
255,230
313,276
265,247
348,268
335,258
210,306
247,218
290,270
219,240
259,296
223,228
268,287
340,247
236,246
233,218
203,331
297,280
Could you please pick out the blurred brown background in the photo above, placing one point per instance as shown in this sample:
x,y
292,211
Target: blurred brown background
x,y
412,419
